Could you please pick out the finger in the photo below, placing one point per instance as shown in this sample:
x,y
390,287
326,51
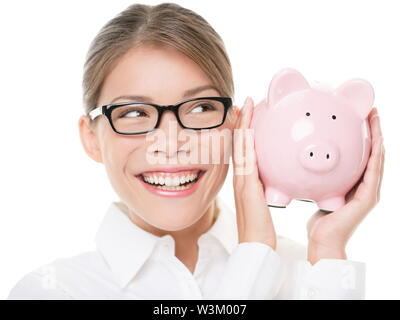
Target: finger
x,y
236,112
382,167
236,138
237,150
248,145
239,136
373,171
248,112
242,113
372,113
375,125
376,132
243,126
238,117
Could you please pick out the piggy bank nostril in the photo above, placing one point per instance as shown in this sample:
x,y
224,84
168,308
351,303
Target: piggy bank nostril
x,y
327,155
311,154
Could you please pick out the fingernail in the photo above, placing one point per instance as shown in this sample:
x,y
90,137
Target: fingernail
x,y
245,105
373,113
251,102
246,101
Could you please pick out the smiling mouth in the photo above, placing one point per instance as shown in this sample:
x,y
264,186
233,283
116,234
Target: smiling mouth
x,y
168,181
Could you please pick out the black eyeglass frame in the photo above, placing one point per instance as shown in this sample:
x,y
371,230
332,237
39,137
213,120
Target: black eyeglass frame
x,y
108,108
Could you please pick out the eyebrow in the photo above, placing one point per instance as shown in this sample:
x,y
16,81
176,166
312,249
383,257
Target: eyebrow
x,y
187,94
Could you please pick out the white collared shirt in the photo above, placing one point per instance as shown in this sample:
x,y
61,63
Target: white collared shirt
x,y
131,263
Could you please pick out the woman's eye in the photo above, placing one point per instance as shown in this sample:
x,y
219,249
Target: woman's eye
x,y
202,108
133,114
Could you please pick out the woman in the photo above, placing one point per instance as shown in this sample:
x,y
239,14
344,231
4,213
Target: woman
x,y
171,236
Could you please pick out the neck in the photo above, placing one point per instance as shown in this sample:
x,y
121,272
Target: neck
x,y
183,238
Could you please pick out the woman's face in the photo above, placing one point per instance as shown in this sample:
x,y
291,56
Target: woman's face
x,y
163,76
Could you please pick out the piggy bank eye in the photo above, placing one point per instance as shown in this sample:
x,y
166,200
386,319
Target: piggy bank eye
x,y
333,117
308,114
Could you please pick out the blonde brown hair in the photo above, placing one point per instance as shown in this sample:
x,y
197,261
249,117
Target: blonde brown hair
x,y
166,24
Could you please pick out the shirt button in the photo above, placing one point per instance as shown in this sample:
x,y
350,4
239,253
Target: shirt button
x,y
312,292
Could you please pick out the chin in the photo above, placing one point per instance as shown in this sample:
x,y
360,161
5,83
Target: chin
x,y
173,221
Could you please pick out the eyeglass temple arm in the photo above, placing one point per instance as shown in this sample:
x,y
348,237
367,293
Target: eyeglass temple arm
x,y
95,112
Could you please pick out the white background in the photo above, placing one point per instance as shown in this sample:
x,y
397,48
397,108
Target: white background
x,y
53,196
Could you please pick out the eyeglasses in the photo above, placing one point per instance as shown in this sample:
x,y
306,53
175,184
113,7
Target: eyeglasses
x,y
131,118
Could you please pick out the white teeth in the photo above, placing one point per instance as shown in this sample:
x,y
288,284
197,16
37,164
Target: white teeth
x,y
174,188
171,183
176,181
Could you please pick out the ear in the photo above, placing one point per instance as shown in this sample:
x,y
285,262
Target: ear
x,y
285,82
359,93
89,139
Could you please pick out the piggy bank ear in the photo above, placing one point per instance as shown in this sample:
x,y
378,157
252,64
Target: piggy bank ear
x,y
285,82
359,93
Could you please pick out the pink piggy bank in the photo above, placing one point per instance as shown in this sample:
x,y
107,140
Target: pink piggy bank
x,y
311,143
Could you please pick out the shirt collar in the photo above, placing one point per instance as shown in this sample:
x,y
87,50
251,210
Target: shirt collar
x,y
126,247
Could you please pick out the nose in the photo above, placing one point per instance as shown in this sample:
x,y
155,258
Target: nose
x,y
171,129
319,157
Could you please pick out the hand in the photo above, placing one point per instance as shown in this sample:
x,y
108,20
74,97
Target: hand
x,y
254,219
329,233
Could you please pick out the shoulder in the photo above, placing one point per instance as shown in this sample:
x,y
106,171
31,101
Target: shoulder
x,y
61,279
39,284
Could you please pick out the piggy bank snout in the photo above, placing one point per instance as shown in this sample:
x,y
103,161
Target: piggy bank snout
x,y
319,156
